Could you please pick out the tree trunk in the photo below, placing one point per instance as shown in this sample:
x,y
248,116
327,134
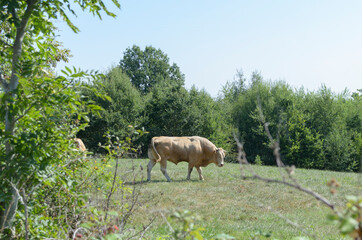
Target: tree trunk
x,y
8,214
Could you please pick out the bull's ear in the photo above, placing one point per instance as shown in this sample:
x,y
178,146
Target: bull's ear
x,y
223,150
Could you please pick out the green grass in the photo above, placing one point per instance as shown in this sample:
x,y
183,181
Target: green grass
x,y
228,204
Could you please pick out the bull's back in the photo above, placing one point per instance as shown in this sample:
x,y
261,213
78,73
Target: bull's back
x,y
178,149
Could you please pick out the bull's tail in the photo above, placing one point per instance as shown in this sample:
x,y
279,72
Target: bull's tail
x,y
152,151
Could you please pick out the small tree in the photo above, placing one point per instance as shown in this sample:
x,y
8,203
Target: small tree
x,y
305,146
34,104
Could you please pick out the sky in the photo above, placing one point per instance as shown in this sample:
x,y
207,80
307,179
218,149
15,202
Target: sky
x,y
304,43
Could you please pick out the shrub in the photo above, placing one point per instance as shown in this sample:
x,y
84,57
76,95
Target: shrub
x,y
258,161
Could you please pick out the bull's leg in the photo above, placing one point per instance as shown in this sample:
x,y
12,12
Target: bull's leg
x,y
150,165
189,172
199,170
163,164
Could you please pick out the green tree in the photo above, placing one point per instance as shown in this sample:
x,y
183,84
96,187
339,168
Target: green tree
x,y
323,110
337,118
167,110
276,100
201,109
354,125
224,126
33,99
315,129
149,67
305,147
124,107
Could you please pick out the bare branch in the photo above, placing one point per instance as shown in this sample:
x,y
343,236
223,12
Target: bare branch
x,y
8,211
289,170
111,191
24,114
167,222
25,202
306,190
274,144
144,230
75,232
242,160
5,43
296,225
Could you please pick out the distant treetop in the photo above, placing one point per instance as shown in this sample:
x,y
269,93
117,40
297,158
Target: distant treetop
x,y
149,67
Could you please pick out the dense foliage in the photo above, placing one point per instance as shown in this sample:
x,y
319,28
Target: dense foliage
x,y
40,113
318,129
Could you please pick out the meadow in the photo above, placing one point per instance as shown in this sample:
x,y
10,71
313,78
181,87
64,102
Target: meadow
x,y
245,209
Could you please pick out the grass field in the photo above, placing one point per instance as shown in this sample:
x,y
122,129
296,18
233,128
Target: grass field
x,y
245,209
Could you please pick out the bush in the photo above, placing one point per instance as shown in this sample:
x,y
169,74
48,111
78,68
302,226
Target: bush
x,y
258,161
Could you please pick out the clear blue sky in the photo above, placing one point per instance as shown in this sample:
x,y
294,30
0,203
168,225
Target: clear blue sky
x,y
305,43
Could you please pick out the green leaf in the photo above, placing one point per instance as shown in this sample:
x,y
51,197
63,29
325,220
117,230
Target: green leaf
x,y
196,234
348,225
68,69
87,225
113,236
113,213
86,118
332,217
64,72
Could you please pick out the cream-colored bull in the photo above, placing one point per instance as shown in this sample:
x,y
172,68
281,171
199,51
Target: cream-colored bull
x,y
197,151
80,145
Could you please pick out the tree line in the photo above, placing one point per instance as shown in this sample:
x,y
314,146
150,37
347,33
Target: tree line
x,y
319,129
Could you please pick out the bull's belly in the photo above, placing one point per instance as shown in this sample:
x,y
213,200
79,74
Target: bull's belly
x,y
176,161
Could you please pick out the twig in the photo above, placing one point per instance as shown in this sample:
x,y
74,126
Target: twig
x,y
111,191
144,230
296,225
275,146
26,214
306,190
132,208
5,43
14,200
167,222
75,232
24,114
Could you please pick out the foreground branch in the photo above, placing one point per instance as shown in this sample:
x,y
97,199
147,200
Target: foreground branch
x,y
244,162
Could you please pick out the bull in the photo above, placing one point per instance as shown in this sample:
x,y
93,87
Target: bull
x,y
80,145
197,151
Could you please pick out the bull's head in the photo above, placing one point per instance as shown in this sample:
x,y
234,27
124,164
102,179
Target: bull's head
x,y
220,156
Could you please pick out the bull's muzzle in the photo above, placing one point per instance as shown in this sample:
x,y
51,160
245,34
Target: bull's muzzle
x,y
221,164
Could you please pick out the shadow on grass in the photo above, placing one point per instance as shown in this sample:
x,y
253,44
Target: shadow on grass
x,y
157,181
